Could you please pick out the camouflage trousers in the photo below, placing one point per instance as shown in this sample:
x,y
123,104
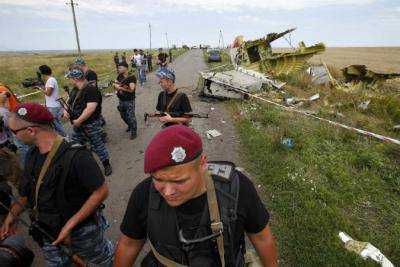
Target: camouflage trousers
x,y
88,242
127,111
92,133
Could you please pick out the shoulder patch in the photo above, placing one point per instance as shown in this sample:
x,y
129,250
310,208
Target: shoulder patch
x,y
222,170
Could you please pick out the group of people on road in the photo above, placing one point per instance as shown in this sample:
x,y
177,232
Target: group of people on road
x,y
192,212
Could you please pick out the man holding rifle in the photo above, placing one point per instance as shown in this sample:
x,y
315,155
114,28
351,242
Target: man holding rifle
x,y
171,101
65,188
126,86
85,107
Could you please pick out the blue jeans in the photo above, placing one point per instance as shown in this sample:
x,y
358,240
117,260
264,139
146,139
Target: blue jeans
x,y
142,74
57,113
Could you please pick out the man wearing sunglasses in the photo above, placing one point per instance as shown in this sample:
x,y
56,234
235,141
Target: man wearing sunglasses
x,y
64,187
192,212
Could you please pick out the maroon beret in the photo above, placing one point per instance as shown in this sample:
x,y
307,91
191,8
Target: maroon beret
x,y
34,112
173,145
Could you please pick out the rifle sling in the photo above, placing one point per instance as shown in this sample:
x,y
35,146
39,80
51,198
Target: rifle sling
x,y
43,171
216,226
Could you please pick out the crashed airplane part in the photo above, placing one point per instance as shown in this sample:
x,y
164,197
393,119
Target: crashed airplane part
x,y
254,63
258,55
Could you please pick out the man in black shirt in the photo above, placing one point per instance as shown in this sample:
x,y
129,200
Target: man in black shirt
x,y
192,212
116,60
91,77
162,59
64,187
171,101
86,111
125,86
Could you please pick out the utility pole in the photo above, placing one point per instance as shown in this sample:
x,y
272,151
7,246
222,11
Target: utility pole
x,y
72,4
221,40
150,35
166,37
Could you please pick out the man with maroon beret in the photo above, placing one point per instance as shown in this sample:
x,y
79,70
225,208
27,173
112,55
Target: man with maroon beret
x,y
64,187
192,212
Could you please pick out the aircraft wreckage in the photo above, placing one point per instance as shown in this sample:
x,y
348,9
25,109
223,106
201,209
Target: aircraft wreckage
x,y
255,65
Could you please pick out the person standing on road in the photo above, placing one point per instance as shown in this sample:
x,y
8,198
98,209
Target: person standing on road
x,y
138,59
65,187
126,86
91,77
85,107
162,59
193,212
51,94
149,58
170,101
116,60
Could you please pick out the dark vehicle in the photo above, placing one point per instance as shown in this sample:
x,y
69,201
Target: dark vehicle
x,y
214,56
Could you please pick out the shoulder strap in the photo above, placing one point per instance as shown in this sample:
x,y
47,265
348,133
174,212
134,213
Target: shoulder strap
x,y
45,167
164,260
216,224
173,100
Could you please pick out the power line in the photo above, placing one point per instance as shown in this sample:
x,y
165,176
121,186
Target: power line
x,y
72,4
166,37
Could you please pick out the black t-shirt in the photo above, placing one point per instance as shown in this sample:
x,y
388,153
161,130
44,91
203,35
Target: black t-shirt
x,y
180,105
83,179
162,57
252,214
91,76
123,95
78,102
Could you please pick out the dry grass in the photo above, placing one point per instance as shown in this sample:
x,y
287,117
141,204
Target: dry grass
x,y
379,59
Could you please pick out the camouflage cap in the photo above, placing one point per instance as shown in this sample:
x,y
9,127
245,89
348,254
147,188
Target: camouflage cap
x,y
80,61
75,74
166,73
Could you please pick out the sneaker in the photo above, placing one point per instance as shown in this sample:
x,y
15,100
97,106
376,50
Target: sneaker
x,y
107,170
133,135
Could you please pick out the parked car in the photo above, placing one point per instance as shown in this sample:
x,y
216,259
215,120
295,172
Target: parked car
x,y
214,56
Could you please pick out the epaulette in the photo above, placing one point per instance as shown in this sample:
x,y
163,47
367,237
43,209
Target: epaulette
x,y
222,169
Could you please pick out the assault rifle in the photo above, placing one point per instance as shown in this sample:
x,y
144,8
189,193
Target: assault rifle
x,y
71,114
174,115
33,82
64,249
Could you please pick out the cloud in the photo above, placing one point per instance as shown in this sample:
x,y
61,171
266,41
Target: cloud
x,y
237,5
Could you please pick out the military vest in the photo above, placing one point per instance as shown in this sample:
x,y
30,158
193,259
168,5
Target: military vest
x,y
162,225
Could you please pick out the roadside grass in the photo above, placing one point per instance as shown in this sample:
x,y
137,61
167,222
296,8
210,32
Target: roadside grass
x,y
14,68
331,181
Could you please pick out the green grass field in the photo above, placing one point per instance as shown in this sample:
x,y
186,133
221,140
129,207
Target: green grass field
x,y
14,68
332,180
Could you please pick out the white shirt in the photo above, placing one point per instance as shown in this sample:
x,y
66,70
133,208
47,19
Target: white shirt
x,y
51,101
138,59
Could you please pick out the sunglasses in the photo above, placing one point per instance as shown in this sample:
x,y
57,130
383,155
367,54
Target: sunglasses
x,y
21,129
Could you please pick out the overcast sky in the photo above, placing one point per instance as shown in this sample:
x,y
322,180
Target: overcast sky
x,y
114,24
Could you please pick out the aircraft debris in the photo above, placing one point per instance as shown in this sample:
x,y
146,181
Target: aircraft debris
x,y
365,250
212,134
319,75
360,73
364,105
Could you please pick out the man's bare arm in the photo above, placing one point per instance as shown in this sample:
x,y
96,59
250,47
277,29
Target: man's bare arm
x,y
88,111
127,251
265,245
88,208
48,91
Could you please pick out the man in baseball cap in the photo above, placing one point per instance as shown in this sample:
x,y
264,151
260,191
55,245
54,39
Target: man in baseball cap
x,y
85,105
64,185
171,102
187,204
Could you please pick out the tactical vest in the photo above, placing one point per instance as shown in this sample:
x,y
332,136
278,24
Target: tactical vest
x,y
53,208
162,225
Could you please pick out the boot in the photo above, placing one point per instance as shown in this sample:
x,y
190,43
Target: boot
x,y
107,168
133,135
